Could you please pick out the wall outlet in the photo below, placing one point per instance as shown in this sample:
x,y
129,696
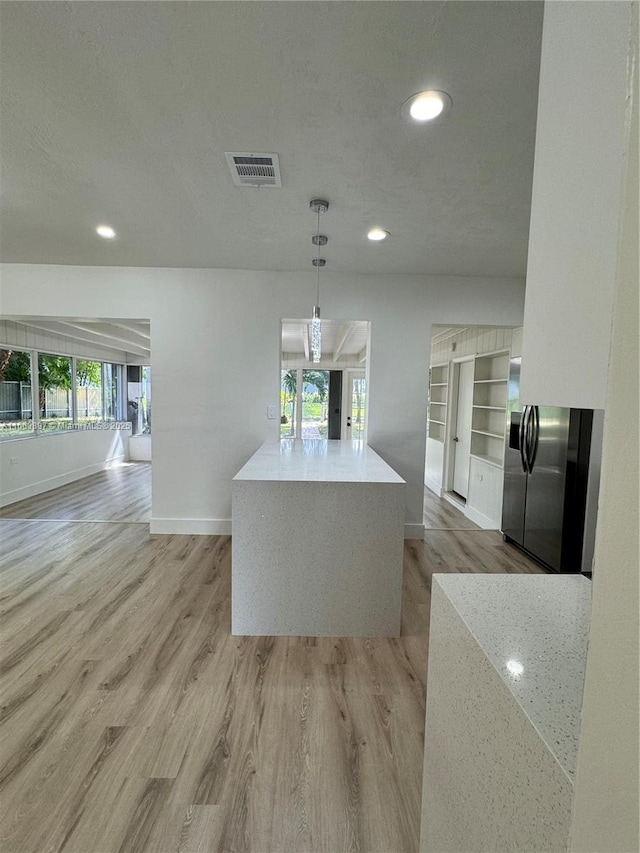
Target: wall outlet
x,y
14,460
271,412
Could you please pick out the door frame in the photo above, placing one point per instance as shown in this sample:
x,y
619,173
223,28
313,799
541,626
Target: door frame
x,y
452,419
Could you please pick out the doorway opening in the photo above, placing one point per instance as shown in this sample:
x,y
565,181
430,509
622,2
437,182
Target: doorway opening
x,y
66,383
328,399
462,413
466,422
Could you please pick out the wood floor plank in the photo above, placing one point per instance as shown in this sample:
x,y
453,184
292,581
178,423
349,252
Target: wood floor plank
x,y
134,722
439,514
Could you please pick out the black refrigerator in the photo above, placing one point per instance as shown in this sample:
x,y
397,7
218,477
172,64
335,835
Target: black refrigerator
x,y
546,474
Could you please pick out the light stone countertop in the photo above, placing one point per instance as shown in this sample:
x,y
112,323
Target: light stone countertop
x,y
534,630
317,460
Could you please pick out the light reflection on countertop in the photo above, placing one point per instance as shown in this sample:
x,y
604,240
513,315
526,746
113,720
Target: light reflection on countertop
x,y
317,460
534,630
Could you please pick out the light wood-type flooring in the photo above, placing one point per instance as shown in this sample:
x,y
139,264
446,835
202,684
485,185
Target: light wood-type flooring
x,y
439,514
133,721
120,493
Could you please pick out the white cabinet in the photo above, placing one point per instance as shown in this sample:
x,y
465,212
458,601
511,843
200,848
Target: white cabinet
x,y
581,142
484,501
500,751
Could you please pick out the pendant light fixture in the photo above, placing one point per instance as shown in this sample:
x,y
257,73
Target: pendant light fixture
x,y
318,205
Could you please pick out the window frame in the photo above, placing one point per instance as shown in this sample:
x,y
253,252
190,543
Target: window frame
x,y
36,431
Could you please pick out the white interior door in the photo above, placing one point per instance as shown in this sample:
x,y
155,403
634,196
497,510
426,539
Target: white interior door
x,y
462,439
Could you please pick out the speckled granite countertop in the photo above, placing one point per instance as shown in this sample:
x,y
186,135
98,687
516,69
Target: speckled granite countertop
x,y
317,460
534,630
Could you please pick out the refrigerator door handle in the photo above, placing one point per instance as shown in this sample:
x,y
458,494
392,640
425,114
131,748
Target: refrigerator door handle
x,y
528,438
535,436
521,439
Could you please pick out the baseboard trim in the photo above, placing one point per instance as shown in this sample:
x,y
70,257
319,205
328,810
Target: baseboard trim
x,y
42,486
191,526
414,531
433,486
222,527
480,518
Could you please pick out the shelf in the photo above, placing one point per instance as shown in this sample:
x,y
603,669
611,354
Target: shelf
x,y
488,426
434,421
490,460
439,384
493,367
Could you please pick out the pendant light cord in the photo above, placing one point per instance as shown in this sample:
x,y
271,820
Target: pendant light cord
x,y
318,262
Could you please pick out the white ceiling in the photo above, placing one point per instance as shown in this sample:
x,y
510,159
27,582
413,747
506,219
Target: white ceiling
x,y
130,336
340,338
121,112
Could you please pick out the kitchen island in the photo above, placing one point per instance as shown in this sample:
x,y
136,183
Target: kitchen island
x,y
507,659
318,529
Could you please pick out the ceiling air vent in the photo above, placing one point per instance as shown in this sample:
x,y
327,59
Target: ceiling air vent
x,y
254,170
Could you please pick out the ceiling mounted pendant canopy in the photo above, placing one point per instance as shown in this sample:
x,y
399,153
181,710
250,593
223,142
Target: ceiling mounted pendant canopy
x,y
318,205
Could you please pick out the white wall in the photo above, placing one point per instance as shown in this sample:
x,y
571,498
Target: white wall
x,y
29,466
216,361
140,448
474,340
575,208
607,792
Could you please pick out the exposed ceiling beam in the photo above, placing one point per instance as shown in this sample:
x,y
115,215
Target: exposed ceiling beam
x,y
140,329
350,329
444,335
55,328
106,331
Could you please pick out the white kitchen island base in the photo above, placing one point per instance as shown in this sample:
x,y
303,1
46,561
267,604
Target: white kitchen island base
x,y
317,542
507,657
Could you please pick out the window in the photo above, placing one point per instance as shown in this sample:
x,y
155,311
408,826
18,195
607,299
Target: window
x,y
51,403
288,397
145,401
88,391
16,414
111,391
309,407
315,387
358,406
55,411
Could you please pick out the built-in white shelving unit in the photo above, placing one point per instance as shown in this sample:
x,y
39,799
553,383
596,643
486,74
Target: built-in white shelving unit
x,y
438,391
489,422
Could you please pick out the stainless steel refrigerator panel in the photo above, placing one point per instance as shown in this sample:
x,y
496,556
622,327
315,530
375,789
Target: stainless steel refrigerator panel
x,y
545,492
515,479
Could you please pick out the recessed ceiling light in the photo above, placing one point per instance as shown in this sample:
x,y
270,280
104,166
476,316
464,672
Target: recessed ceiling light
x,y
426,106
377,234
106,232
